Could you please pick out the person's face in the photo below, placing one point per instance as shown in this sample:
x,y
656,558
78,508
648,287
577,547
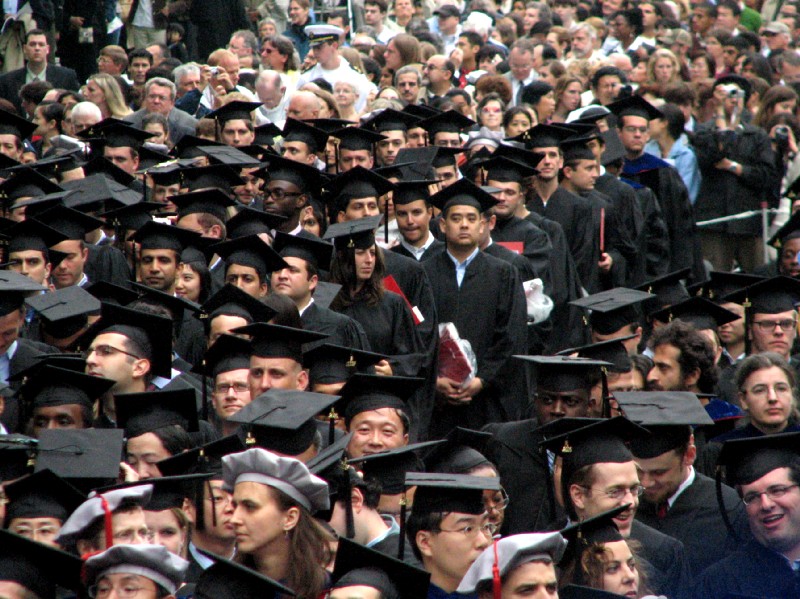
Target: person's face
x,y
217,506
324,52
36,49
251,190
607,89
138,70
302,108
664,70
571,98
403,9
531,18
297,14
187,284
519,123
467,49
533,580
449,553
666,374
113,585
123,158
275,373
582,44
785,106
662,475
634,134
81,122
701,20
618,479
373,15
160,135
462,226
164,529
247,279
258,519
159,100
188,82
117,366
349,159
143,454
789,265
732,332
375,431
365,263
448,25
311,224
231,392
520,63
725,18
699,69
387,149
460,104
583,174
10,146
274,59
774,522
158,269
620,575
224,324
492,115
509,196
447,139
767,398
236,133
434,70
413,220
565,11
162,192
53,417
344,94
30,263
769,336
447,175
552,405
392,55
546,106
282,197
41,530
649,16
298,151
620,28
294,281
94,93
729,56
789,73
549,165
408,86
70,271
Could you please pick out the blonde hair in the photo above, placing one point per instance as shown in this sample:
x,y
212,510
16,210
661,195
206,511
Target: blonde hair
x,y
651,67
113,94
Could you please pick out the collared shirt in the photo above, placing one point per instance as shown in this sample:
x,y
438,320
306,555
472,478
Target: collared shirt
x,y
684,485
304,308
84,281
417,252
30,76
5,362
461,267
517,85
394,528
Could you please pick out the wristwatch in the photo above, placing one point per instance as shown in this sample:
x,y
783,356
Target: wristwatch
x,y
733,166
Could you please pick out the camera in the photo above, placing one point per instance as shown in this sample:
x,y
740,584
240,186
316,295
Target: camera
x,y
214,71
733,91
782,138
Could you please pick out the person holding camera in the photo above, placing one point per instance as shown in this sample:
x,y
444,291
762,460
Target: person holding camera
x,y
739,172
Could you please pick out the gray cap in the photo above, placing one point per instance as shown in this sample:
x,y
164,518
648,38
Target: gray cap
x,y
151,561
510,553
288,475
92,509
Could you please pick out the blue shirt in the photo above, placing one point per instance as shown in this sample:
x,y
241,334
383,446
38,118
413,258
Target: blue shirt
x,y
461,267
683,158
435,592
5,362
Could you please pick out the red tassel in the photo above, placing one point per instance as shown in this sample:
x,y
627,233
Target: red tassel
x,y
109,527
497,585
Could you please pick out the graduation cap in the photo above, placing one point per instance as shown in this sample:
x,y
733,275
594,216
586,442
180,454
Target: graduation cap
x,y
158,236
64,312
560,373
151,333
99,193
266,134
314,138
131,218
329,364
278,341
390,119
249,221
597,529
189,147
168,491
316,253
668,415
225,579
445,156
450,121
217,175
232,301
71,223
576,149
36,205
14,288
87,458
721,284
460,493
230,156
356,138
770,296
103,166
109,293
11,124
37,567
421,111
698,311
16,455
277,168
611,310
30,234
359,566
329,125
167,174
41,495
228,353
543,136
462,451
463,193
204,459
613,151
410,191
364,392
357,183
117,134
612,351
176,305
236,110
140,413
149,157
635,106
26,183
389,468
747,460
354,234
250,251
206,201
506,170
668,289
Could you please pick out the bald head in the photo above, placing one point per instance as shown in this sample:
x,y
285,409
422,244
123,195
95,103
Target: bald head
x,y
303,106
270,88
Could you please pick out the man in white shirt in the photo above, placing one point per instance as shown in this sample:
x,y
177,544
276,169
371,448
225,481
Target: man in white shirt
x,y
224,80
520,61
271,90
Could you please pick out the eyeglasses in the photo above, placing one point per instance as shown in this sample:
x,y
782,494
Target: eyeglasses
x,y
618,493
498,502
470,531
490,110
105,351
761,390
98,591
280,194
225,388
774,492
769,325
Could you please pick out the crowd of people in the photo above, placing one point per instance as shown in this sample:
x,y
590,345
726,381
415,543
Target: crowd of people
x,y
371,300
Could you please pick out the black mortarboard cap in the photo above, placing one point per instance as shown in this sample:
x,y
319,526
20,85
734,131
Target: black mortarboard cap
x,y
170,492
329,125
612,351
596,529
445,156
236,110
314,138
410,191
131,218
14,288
460,493
36,205
325,293
189,146
330,364
103,166
250,251
463,193
175,304
209,201
771,296
543,136
576,149
635,106
37,567
98,193
417,163
357,565
317,253
278,168
218,175
225,579
232,301
450,121
357,183
283,421
249,221
668,289
370,392
421,111
277,341
226,354
611,310
389,468
204,459
117,134
720,284
64,312
26,183
698,311
149,157
69,222
506,170
140,413
158,236
86,457
11,124
16,455
41,495
561,373
390,119
614,150
109,293
747,460
30,234
358,234
462,451
229,156
169,173
265,136
356,138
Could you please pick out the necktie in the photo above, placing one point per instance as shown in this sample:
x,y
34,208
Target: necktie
x,y
662,509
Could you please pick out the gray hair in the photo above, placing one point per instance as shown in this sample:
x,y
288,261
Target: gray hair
x,y
589,29
87,109
544,10
190,68
250,39
161,82
408,69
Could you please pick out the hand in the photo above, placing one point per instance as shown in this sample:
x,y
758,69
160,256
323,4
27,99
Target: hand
x,y
76,22
127,474
457,57
467,393
383,368
723,164
447,387
605,263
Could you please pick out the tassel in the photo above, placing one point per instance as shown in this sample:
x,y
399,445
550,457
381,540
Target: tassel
x,y
497,585
401,546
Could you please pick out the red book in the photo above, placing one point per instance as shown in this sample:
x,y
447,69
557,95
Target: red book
x,y
390,284
514,246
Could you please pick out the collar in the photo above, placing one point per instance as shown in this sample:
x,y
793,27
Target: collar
x,y
304,308
418,251
466,262
12,349
393,528
684,485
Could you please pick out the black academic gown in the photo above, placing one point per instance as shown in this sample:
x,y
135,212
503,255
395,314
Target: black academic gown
x,y
390,545
107,263
191,341
669,575
27,355
341,329
695,520
434,248
617,243
489,311
536,245
754,571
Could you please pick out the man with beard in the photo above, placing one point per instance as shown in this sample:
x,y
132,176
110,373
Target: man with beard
x,y
161,247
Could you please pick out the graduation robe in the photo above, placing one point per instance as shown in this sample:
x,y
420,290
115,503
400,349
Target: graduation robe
x,y
107,263
342,330
489,311
536,245
434,248
665,554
